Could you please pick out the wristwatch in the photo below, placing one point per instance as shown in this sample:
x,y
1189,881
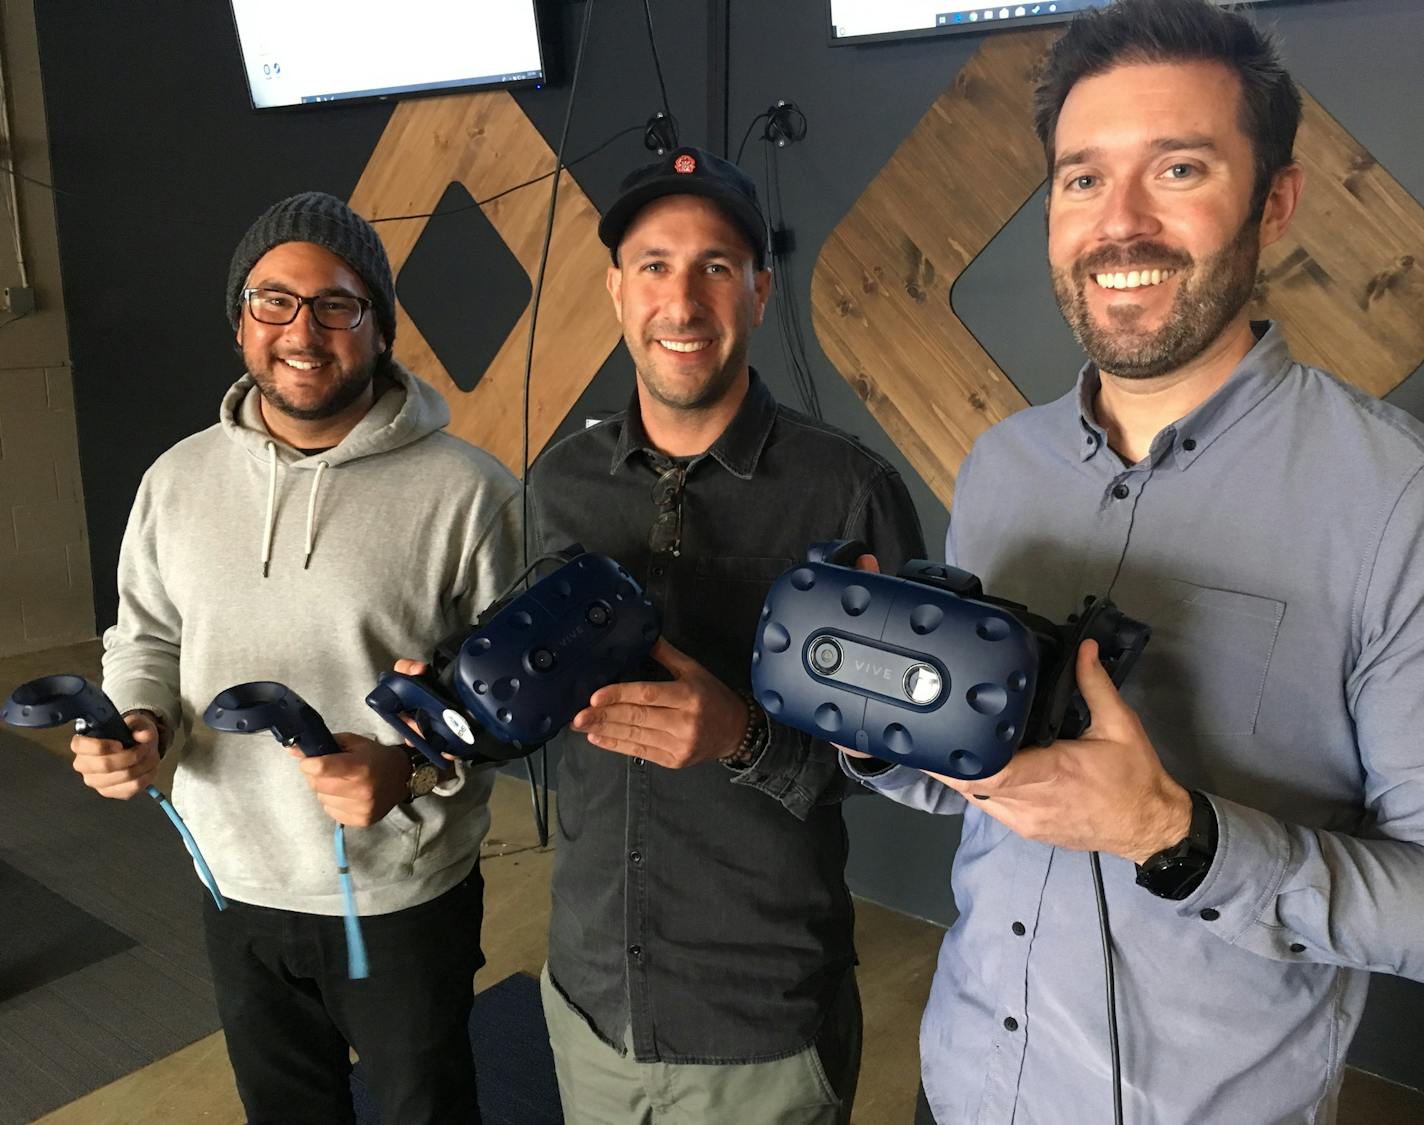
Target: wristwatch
x,y
424,775
1175,872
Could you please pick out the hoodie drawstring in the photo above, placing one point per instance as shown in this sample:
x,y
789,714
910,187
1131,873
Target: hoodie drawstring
x,y
321,467
271,506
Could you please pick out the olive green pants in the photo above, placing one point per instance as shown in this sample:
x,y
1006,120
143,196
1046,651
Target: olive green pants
x,y
598,1086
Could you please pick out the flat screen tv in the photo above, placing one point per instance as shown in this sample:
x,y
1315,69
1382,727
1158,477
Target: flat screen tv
x,y
300,53
860,21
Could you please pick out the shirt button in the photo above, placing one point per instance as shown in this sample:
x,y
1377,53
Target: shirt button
x,y
635,952
635,858
1210,915
1018,928
1296,947
658,570
1189,444
1010,1023
1120,492
1092,440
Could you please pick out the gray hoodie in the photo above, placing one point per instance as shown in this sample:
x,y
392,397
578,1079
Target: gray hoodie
x,y
373,550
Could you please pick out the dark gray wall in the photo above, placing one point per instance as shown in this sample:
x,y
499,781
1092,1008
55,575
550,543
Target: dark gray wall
x,y
163,166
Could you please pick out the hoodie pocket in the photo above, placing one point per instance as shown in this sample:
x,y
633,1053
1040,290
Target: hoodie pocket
x,y
387,850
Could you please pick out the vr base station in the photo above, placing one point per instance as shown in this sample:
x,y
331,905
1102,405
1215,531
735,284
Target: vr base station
x,y
924,669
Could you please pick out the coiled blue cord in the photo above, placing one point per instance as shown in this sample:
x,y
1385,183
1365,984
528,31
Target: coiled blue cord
x,y
191,844
356,966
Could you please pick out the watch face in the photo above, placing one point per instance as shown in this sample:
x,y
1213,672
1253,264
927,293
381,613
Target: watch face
x,y
423,778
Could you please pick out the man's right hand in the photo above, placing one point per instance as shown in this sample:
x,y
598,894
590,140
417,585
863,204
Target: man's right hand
x,y
112,770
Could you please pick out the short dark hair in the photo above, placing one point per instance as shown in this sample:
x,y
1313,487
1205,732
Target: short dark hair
x,y
1135,31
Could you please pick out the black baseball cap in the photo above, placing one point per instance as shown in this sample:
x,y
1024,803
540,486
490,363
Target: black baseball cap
x,y
689,171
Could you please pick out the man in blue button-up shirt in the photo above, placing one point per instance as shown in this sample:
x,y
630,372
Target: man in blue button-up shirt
x,y
1268,521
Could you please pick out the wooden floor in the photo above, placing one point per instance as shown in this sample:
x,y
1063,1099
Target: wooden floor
x,y
897,960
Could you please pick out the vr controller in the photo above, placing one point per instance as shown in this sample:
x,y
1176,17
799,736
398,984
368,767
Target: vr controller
x,y
925,669
506,687
266,705
52,700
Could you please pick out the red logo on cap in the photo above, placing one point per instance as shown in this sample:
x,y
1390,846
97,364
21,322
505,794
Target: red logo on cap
x,y
685,164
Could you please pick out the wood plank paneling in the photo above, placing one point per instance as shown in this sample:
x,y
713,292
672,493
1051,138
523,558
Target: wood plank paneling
x,y
485,142
1346,282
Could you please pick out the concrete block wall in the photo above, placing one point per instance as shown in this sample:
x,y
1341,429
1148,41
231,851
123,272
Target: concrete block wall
x,y
46,593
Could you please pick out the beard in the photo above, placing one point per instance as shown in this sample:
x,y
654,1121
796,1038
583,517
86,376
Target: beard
x,y
1210,293
346,385
680,392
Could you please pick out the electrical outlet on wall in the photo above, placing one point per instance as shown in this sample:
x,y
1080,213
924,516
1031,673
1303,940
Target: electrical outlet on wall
x,y
16,300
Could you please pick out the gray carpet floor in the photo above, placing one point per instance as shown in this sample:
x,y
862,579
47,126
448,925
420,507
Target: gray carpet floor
x,y
102,967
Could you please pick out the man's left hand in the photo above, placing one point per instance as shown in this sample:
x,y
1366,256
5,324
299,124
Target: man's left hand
x,y
695,718
1106,791
359,786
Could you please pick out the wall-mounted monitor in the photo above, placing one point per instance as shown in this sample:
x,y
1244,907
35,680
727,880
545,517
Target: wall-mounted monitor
x,y
859,21
300,53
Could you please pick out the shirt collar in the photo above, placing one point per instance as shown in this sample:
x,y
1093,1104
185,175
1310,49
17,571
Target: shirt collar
x,y
1258,373
738,448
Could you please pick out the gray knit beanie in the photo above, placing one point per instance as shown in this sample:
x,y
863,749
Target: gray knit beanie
x,y
314,216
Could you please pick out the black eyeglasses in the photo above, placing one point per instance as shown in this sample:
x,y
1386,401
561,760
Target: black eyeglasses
x,y
335,311
665,538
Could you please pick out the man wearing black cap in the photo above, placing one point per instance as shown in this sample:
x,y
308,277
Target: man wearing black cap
x,y
701,954
323,527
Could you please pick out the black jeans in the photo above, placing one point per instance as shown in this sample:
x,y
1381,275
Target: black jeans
x,y
289,1012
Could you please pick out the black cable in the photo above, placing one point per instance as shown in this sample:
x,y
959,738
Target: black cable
x,y
11,320
657,62
788,317
501,194
383,219
1110,979
541,818
741,148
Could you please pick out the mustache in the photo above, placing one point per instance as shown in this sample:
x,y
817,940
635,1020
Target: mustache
x,y
1134,255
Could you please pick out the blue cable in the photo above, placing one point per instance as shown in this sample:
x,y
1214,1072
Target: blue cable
x,y
191,844
356,967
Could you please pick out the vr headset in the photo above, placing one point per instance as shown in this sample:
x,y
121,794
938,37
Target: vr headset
x,y
925,669
503,689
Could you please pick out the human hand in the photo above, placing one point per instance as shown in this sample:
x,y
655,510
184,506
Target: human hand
x,y
1106,791
113,770
360,785
694,718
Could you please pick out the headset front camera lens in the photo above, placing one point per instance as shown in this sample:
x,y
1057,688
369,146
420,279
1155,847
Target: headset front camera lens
x,y
825,656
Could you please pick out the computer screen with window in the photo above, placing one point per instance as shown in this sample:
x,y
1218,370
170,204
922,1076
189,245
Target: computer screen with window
x,y
298,53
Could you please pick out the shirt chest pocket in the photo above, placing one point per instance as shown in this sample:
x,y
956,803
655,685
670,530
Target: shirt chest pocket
x,y
1204,670
728,592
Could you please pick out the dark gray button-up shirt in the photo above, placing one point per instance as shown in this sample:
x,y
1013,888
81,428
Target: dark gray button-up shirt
x,y
1273,540
706,909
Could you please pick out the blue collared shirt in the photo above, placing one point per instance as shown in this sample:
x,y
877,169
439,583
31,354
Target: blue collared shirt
x,y
1272,538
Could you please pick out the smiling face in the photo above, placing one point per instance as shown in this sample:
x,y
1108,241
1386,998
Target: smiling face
x,y
688,294
303,370
1151,244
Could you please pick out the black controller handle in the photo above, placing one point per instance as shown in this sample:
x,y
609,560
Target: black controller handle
x,y
52,700
267,705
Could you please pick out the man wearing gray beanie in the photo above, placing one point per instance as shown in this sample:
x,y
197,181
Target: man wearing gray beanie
x,y
325,526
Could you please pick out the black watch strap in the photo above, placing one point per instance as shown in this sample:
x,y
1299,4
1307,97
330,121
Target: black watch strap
x,y
1175,872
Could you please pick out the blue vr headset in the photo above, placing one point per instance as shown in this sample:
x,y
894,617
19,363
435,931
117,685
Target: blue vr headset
x,y
529,665
925,669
